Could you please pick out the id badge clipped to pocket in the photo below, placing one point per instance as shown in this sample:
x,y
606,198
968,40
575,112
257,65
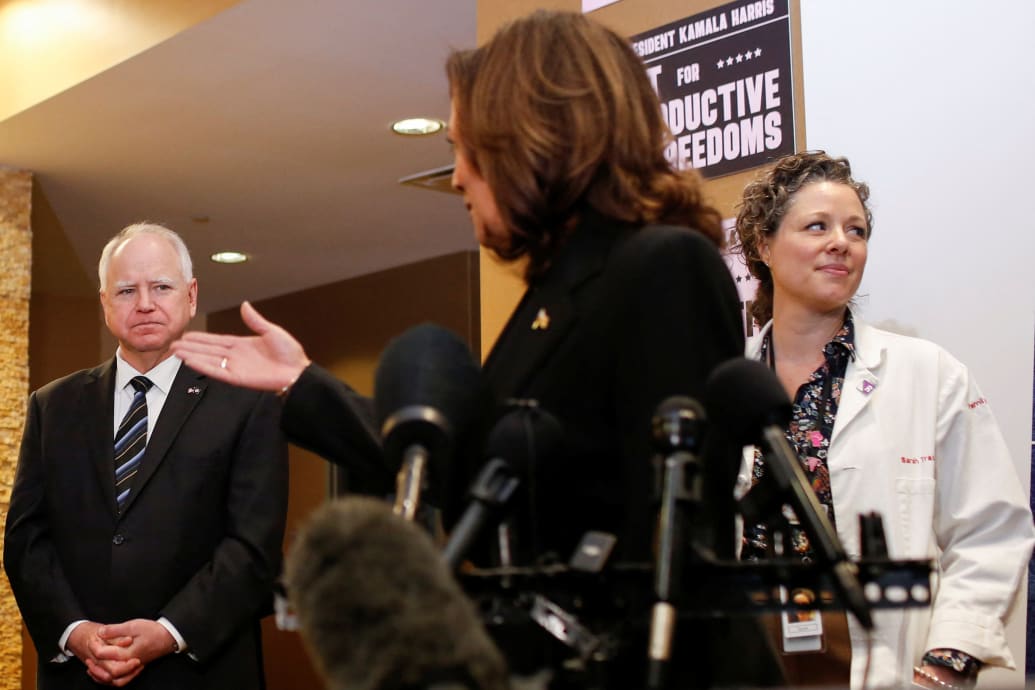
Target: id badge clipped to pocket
x,y
801,630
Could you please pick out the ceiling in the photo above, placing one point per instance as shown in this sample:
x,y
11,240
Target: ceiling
x,y
271,120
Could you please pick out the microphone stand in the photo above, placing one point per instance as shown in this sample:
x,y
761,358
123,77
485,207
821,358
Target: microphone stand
x,y
677,431
410,481
491,491
424,431
675,491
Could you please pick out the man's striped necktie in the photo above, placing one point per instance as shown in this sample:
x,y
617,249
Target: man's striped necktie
x,y
131,440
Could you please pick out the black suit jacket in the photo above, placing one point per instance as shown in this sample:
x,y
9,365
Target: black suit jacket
x,y
198,542
626,318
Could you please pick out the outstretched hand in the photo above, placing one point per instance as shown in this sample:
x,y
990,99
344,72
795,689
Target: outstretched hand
x,y
270,360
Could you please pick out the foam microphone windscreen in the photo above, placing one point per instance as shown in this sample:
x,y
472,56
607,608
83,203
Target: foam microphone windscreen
x,y
744,396
522,437
519,445
377,607
427,388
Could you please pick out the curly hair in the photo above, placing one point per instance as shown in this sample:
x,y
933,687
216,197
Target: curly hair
x,y
557,114
765,201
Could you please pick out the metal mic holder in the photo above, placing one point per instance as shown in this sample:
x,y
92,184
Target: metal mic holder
x,y
410,481
596,614
414,432
582,609
680,496
741,588
720,587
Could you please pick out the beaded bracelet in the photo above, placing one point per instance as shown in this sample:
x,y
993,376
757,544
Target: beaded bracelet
x,y
941,683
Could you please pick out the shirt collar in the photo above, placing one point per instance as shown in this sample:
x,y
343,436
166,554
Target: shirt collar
x,y
161,375
844,339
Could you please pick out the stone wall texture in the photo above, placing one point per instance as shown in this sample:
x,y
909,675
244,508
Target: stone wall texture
x,y
15,289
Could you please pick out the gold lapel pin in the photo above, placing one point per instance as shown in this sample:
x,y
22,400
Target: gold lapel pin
x,y
541,321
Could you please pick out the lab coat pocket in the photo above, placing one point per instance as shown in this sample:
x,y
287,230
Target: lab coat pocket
x,y
915,514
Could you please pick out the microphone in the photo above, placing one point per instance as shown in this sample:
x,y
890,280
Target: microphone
x,y
426,389
678,429
516,444
377,607
745,396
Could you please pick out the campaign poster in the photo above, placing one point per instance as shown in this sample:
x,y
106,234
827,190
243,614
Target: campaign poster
x,y
724,80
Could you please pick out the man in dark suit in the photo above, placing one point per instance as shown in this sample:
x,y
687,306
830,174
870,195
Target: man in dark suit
x,y
147,515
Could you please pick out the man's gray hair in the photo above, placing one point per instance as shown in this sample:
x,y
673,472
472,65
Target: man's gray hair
x,y
129,232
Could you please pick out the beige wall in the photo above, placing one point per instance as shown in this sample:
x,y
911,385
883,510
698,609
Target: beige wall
x,y
65,307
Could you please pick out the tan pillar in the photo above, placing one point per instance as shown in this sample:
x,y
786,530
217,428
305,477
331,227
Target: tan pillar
x,y
15,287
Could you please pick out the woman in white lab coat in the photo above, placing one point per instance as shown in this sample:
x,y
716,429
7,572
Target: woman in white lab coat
x,y
885,423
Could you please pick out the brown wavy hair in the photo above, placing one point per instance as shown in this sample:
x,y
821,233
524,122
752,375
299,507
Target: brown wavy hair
x,y
765,201
557,114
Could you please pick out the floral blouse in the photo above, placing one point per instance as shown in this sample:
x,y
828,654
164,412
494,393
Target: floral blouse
x,y
809,432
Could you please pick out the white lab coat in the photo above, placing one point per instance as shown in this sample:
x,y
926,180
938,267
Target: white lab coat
x,y
915,441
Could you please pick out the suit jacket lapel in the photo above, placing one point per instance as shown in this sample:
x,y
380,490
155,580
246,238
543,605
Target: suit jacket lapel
x,y
547,312
188,388
97,407
537,325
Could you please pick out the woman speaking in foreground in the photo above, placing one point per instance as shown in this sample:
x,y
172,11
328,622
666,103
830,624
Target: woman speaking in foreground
x,y
558,144
885,423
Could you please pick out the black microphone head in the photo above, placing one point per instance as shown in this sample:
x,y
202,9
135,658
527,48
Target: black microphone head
x,y
679,423
523,436
377,607
520,445
427,388
744,396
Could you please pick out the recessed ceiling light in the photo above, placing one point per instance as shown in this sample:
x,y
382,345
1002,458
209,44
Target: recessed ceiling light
x,y
418,126
229,257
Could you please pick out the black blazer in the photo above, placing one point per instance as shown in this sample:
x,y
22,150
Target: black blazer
x,y
626,318
198,542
